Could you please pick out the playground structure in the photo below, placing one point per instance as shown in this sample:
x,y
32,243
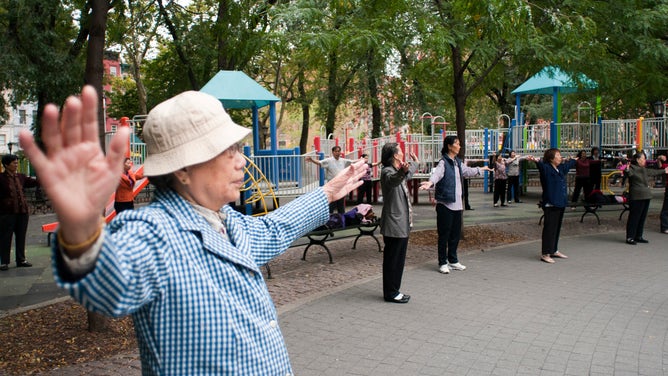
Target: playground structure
x,y
288,174
276,173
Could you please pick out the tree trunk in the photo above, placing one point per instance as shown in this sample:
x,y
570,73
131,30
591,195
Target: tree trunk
x,y
306,113
97,322
376,115
332,87
93,76
459,95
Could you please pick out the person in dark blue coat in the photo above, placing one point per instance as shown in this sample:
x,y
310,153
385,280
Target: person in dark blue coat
x,y
553,179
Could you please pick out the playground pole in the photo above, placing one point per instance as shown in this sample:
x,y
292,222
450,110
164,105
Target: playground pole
x,y
639,138
124,123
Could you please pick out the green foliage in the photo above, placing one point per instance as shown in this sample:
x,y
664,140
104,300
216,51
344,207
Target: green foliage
x,y
38,60
124,98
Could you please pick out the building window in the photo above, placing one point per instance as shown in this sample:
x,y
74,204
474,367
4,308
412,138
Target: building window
x,y
112,70
34,117
22,116
3,140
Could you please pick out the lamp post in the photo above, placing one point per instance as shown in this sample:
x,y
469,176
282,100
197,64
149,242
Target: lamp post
x,y
10,146
660,108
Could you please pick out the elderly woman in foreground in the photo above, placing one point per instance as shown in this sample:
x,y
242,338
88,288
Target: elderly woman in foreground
x,y
187,266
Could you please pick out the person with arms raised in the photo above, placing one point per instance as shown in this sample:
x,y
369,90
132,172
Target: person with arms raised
x,y
186,266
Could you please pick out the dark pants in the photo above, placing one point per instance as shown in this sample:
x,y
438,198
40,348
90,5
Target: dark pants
x,y
338,205
664,210
467,206
394,258
364,190
635,225
514,188
553,217
595,178
581,182
500,191
449,225
16,225
120,206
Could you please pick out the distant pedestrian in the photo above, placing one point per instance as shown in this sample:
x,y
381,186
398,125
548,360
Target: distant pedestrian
x,y
397,218
448,178
333,165
124,197
367,184
664,208
13,212
500,180
582,178
513,172
595,166
639,197
553,173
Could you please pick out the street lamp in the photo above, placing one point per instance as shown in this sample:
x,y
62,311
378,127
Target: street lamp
x,y
659,108
10,145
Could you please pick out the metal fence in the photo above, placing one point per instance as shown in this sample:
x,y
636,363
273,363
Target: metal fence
x,y
290,175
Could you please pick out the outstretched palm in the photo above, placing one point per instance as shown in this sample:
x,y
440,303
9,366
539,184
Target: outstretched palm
x,y
74,172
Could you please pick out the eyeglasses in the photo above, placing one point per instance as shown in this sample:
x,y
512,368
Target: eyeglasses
x,y
233,149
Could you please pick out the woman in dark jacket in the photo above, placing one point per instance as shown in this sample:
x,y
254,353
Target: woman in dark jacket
x,y
396,220
639,196
13,212
448,178
553,175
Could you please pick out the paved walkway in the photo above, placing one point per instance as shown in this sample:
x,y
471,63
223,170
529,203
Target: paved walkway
x,y
603,311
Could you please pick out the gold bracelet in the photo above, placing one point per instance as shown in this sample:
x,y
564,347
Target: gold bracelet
x,y
81,246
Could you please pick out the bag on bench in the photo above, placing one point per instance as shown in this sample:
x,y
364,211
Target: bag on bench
x,y
597,197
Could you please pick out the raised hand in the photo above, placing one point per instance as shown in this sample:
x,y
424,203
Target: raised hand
x,y
74,171
345,181
425,185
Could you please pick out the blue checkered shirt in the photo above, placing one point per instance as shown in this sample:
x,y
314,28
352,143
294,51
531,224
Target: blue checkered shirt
x,y
198,299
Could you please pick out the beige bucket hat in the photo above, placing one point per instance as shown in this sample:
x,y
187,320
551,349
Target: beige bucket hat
x,y
185,130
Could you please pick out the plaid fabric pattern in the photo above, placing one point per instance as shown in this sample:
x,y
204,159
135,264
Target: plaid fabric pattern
x,y
198,299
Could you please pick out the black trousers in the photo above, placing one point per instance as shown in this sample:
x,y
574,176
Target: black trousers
x,y
338,205
664,210
13,225
364,190
449,225
394,258
467,206
500,190
635,224
553,217
581,182
513,188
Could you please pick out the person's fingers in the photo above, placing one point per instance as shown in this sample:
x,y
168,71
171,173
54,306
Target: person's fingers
x,y
90,129
51,135
32,151
117,148
70,122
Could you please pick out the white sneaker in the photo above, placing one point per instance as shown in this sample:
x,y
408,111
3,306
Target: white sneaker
x,y
457,266
445,269
496,205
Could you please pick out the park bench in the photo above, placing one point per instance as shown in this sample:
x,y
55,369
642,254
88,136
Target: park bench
x,y
321,236
592,208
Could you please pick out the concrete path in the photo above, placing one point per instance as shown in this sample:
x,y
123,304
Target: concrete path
x,y
603,311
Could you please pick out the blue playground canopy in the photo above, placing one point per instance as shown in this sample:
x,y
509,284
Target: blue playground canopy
x,y
552,80
236,90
